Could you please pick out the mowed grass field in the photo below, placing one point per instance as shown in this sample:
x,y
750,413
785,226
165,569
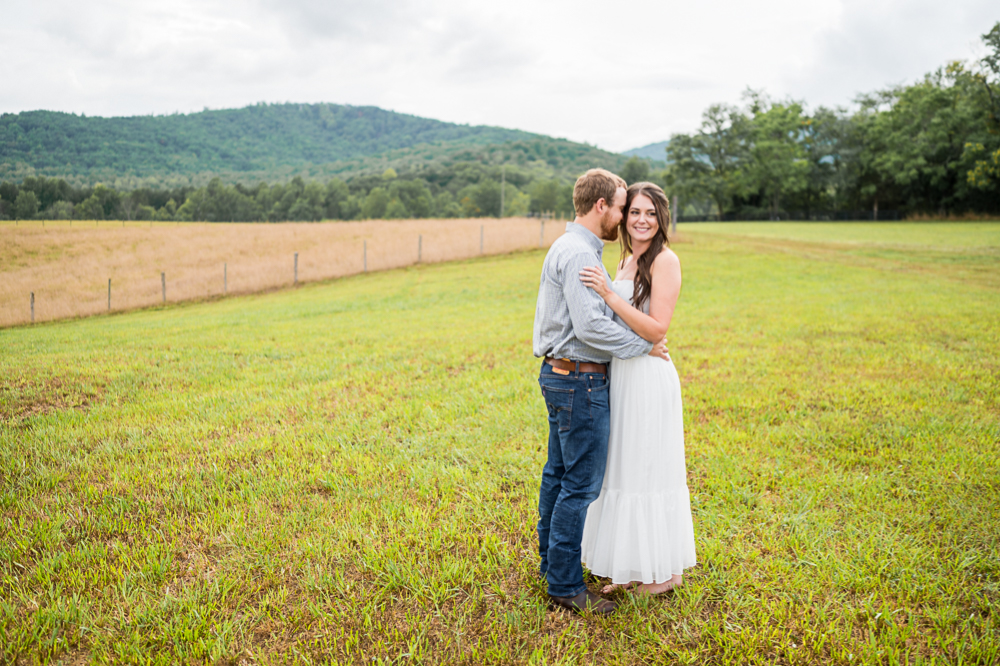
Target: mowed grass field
x,y
347,472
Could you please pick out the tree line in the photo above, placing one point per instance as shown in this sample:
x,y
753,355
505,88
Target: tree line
x,y
465,190
929,147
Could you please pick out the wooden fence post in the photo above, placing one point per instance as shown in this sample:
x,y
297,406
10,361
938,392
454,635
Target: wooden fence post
x,y
481,238
541,234
420,248
32,307
163,284
109,294
296,268
225,279
364,256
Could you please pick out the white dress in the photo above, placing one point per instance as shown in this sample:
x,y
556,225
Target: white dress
x,y
640,528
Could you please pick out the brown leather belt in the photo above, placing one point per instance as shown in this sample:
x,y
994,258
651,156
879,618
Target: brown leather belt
x,y
564,366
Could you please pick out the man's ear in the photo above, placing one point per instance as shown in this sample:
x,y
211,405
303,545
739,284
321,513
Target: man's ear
x,y
600,205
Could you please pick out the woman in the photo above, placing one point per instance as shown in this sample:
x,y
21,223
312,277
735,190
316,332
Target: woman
x,y
639,532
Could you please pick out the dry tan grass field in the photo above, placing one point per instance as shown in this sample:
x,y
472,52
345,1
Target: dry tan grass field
x,y
68,265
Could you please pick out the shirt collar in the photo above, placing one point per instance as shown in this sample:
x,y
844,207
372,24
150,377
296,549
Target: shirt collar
x,y
588,235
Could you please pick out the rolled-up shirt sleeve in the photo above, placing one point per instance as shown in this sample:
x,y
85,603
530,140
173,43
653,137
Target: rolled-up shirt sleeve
x,y
589,314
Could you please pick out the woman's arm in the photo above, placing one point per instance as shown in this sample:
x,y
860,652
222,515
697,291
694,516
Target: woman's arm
x,y
666,288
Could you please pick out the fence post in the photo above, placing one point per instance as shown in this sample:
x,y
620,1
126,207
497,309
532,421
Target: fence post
x,y
32,307
420,248
225,279
481,238
163,283
541,233
109,294
296,268
364,256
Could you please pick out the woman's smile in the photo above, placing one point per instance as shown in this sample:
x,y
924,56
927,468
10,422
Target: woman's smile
x,y
642,224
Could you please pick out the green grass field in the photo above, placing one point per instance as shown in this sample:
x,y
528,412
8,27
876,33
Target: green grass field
x,y
347,472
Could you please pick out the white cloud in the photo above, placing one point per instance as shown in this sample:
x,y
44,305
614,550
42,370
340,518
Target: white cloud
x,y
615,75
878,43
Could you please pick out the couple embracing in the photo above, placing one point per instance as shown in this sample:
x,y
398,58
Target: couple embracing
x,y
614,493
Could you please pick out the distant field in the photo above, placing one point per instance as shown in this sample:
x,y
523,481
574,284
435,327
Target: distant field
x,y
938,234
968,251
347,472
68,264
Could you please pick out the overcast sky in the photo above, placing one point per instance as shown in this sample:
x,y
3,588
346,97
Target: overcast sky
x,y
614,74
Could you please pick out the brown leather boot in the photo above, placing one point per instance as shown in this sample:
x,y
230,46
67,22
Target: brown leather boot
x,y
586,601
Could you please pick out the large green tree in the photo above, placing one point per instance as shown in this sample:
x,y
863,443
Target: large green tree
x,y
775,165
710,163
635,170
825,139
220,203
25,206
414,197
914,141
982,153
375,204
103,203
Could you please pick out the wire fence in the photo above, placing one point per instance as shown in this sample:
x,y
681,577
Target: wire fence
x,y
56,270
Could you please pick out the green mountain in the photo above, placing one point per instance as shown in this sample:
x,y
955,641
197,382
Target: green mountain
x,y
654,151
267,142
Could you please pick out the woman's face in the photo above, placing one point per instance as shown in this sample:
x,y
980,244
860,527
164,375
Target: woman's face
x,y
641,223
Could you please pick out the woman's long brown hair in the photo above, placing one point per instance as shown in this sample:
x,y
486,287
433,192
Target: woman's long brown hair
x,y
644,265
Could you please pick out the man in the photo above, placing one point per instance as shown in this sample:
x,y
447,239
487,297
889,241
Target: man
x,y
576,335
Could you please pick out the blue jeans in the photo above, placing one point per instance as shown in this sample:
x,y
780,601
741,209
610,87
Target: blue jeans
x,y
579,415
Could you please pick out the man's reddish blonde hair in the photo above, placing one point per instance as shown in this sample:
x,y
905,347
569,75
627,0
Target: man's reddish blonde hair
x,y
593,186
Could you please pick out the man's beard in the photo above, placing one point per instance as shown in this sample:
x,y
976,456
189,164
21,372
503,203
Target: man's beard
x,y
609,231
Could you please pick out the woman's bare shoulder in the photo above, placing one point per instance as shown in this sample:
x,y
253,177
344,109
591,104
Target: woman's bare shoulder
x,y
667,258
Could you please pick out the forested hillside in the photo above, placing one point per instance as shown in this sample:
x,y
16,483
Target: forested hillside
x,y
265,142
